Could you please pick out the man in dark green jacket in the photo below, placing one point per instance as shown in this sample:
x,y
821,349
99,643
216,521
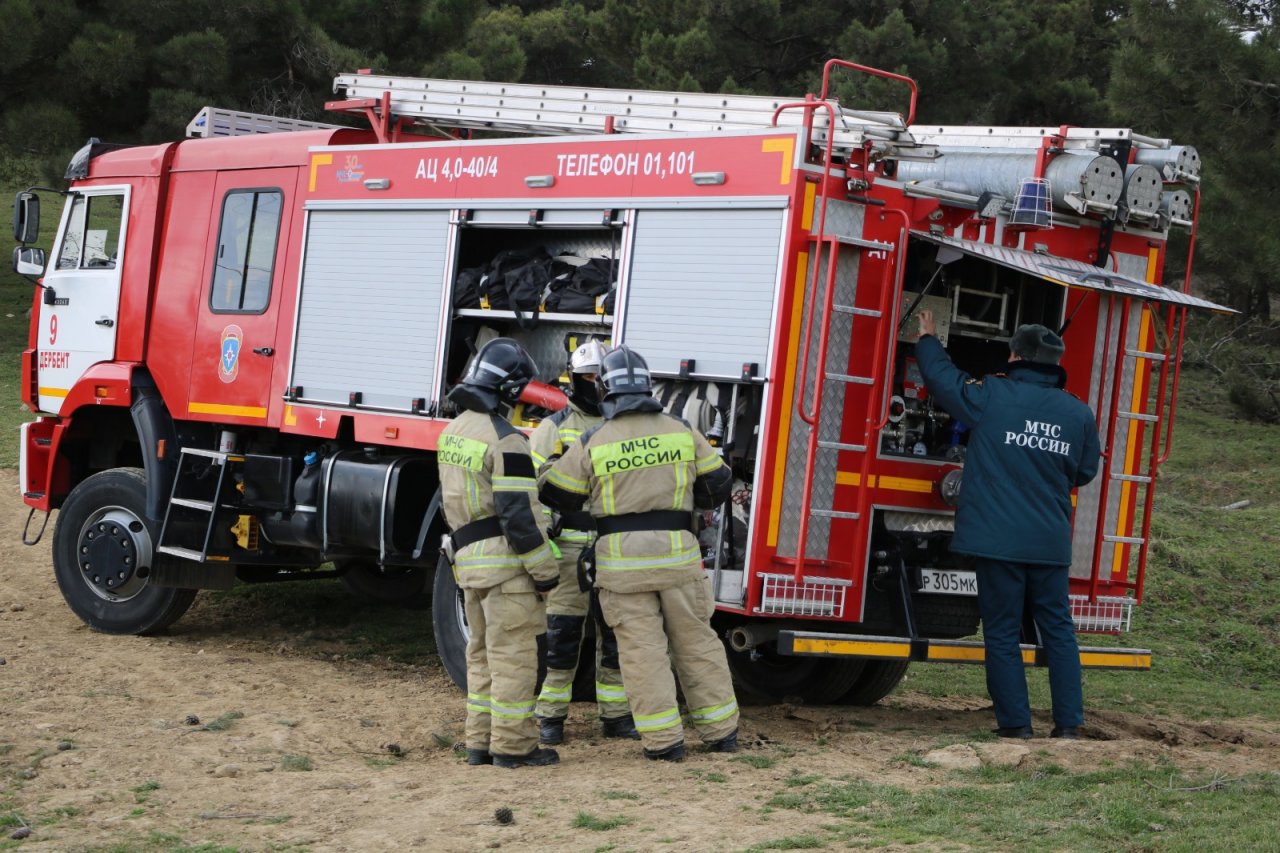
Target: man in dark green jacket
x,y
1030,444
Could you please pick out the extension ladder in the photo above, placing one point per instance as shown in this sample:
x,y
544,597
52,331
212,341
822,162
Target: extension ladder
x,y
558,110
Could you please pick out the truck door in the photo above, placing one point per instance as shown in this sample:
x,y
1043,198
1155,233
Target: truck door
x,y
78,329
235,342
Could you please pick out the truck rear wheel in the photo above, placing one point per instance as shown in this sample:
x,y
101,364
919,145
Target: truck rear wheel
x,y
449,622
104,550
878,679
763,676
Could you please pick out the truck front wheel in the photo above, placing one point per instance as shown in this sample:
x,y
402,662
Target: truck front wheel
x,y
104,549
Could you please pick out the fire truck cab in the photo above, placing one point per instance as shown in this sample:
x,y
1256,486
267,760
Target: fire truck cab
x,y
242,343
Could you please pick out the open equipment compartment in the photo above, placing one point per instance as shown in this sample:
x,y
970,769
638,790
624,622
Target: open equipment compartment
x,y
496,245
978,305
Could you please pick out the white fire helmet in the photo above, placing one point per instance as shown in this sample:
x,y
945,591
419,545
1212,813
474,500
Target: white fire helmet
x,y
587,358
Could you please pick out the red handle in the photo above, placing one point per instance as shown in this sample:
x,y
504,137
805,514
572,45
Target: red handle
x,y
544,395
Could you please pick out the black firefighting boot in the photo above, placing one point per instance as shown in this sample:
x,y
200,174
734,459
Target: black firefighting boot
x,y
1016,732
537,758
671,753
728,743
551,730
623,727
476,757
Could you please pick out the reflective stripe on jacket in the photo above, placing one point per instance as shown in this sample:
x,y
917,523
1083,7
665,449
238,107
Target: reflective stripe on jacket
x,y
639,460
486,471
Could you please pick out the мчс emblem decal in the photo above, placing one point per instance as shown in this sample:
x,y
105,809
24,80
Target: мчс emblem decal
x,y
229,354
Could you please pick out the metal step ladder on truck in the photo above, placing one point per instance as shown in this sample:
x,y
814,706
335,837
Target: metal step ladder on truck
x,y
242,343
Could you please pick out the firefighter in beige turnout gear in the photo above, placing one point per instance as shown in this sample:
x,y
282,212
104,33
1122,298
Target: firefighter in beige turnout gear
x,y
643,473
568,606
502,559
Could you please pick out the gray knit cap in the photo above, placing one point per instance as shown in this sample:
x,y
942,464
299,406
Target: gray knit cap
x,y
1034,342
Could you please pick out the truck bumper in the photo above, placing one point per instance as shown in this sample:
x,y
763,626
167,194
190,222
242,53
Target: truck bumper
x,y
814,644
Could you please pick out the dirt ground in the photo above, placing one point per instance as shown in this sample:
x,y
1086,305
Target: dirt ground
x,y
98,748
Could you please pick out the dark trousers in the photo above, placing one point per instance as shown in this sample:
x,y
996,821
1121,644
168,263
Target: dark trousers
x,y
1003,590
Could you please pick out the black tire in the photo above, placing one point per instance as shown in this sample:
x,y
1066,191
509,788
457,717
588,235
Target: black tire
x,y
449,622
402,587
878,679
104,548
763,677
838,677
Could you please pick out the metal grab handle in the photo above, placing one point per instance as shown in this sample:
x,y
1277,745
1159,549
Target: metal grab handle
x,y
875,72
829,291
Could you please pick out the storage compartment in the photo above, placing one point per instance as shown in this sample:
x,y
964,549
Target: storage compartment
x,y
728,414
548,271
369,308
693,269
569,261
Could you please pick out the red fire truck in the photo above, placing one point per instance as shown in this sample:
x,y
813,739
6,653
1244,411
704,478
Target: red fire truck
x,y
241,344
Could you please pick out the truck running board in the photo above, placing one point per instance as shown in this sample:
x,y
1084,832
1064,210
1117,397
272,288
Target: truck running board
x,y
813,644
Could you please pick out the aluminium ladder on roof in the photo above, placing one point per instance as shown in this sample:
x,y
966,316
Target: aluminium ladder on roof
x,y
560,110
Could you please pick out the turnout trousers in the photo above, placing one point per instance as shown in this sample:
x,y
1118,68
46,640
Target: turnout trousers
x,y
502,667
568,608
647,623
1004,589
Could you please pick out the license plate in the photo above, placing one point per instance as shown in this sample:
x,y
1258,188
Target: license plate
x,y
939,582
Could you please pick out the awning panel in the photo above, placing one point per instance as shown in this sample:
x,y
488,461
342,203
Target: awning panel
x,y
1071,273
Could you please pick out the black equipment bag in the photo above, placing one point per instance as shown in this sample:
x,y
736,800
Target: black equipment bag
x,y
525,286
495,283
466,287
585,285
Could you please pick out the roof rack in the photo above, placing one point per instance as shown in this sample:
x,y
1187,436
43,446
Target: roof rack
x,y
212,121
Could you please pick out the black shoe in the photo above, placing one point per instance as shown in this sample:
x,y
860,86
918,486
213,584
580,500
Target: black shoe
x,y
476,757
1065,732
1017,732
623,727
671,753
536,758
728,743
551,730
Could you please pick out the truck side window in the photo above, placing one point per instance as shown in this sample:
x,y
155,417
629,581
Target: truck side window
x,y
92,239
246,251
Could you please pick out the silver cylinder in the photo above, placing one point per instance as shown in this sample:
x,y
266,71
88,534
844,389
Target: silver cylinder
x,y
1175,208
1142,189
1075,181
1176,163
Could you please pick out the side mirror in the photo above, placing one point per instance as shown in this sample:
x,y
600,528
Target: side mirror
x,y
26,217
28,260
